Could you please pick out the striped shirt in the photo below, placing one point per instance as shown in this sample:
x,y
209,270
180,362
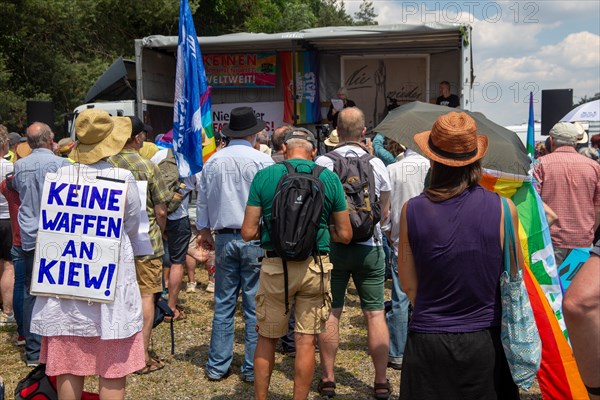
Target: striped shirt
x,y
146,170
569,184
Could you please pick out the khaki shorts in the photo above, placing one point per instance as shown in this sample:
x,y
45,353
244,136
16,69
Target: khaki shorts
x,y
149,275
307,292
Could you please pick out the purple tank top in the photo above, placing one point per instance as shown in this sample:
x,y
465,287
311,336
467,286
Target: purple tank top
x,y
458,260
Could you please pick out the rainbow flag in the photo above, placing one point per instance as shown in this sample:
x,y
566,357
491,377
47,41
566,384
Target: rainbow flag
x,y
305,103
558,376
193,138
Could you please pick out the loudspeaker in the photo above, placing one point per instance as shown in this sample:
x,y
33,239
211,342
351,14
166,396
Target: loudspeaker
x,y
40,111
556,103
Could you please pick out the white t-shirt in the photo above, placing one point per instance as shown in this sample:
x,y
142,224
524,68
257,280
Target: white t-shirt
x,y
382,180
6,167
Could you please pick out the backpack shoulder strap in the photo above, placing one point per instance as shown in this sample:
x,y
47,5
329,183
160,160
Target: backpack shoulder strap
x,y
316,171
289,166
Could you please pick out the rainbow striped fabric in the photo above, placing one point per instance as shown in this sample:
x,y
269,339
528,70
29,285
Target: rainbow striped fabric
x,y
558,376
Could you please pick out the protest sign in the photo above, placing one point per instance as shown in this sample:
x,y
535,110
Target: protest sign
x,y
79,237
270,112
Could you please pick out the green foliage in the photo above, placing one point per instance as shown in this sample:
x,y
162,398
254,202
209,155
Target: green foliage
x,y
586,99
366,14
57,49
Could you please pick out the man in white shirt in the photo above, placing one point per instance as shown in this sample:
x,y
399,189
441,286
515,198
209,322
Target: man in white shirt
x,y
222,195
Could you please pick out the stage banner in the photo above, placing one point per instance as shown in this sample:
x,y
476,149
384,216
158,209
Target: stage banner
x,y
270,112
307,105
247,70
79,237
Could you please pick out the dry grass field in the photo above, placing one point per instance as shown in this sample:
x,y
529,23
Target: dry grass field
x,y
183,377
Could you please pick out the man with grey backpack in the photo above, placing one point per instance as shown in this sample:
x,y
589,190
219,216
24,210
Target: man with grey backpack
x,y
367,188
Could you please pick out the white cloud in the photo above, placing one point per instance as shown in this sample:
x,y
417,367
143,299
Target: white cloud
x,y
580,50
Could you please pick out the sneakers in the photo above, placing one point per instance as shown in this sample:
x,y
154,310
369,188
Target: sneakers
x,y
21,341
210,287
191,287
6,319
33,363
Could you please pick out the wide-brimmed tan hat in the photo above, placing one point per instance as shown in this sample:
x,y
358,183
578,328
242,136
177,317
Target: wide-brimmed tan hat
x,y
453,140
333,139
582,136
23,150
99,135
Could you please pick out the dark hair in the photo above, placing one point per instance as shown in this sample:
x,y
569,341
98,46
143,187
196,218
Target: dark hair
x,y
393,147
596,140
447,182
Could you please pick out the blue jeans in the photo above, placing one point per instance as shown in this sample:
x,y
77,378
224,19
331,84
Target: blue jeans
x,y
33,341
19,289
237,268
397,318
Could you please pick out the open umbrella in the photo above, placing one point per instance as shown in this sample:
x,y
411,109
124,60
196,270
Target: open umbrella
x,y
506,152
589,111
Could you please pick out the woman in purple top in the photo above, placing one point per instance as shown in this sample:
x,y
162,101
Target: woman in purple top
x,y
450,265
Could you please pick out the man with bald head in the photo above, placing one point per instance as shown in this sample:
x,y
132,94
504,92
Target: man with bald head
x,y
29,182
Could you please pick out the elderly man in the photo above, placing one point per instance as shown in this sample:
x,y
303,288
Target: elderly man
x,y
363,261
148,268
307,282
29,182
569,184
222,194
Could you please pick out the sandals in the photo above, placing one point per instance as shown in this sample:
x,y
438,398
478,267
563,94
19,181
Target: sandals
x,y
380,386
326,388
151,366
179,316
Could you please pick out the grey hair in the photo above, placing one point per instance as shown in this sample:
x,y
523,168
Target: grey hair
x,y
39,134
561,142
299,143
343,90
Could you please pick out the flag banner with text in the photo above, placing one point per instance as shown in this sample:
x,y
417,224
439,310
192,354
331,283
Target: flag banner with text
x,y
247,70
307,106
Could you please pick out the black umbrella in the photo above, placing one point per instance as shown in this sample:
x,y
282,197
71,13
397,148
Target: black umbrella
x,y
506,152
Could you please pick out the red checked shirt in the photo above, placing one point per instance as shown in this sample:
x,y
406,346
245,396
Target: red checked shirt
x,y
570,184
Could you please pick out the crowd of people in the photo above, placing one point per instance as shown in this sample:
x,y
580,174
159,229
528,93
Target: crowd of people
x,y
438,231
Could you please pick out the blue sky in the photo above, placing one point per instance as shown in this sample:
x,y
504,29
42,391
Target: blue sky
x,y
517,46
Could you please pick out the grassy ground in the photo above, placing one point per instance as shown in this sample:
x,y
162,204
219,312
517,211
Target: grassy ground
x,y
183,377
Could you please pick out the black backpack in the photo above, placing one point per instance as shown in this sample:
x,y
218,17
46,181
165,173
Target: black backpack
x,y
296,216
358,180
162,310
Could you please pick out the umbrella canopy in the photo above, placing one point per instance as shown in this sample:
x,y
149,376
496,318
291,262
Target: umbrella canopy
x,y
506,152
586,112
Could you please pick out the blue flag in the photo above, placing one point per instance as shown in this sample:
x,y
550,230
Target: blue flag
x,y
531,129
190,84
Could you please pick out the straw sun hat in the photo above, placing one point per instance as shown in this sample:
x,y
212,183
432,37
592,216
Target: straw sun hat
x,y
99,135
333,139
453,140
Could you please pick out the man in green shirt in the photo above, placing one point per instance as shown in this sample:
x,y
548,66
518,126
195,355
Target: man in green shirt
x,y
308,280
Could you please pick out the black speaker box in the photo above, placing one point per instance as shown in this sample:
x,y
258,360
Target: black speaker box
x,y
40,111
555,104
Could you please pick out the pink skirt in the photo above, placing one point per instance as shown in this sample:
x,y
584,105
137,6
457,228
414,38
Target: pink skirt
x,y
82,356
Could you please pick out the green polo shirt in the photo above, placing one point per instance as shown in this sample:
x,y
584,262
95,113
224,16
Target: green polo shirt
x,y
263,190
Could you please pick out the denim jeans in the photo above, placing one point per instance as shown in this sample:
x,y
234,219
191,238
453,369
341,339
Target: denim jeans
x,y
237,269
19,289
397,318
33,341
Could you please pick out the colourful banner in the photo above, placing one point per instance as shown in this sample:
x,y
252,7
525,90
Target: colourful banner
x,y
193,138
558,376
247,70
307,106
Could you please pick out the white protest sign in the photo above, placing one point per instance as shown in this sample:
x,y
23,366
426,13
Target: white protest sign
x,y
142,246
79,237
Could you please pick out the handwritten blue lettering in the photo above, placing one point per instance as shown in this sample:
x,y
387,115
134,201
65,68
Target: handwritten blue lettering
x,y
45,271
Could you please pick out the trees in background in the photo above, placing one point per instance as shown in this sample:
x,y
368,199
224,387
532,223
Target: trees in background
x,y
56,49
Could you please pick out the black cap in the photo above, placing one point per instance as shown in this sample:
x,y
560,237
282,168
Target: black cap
x,y
137,126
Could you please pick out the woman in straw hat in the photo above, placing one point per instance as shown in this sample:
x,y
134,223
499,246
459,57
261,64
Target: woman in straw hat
x,y
450,265
89,338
